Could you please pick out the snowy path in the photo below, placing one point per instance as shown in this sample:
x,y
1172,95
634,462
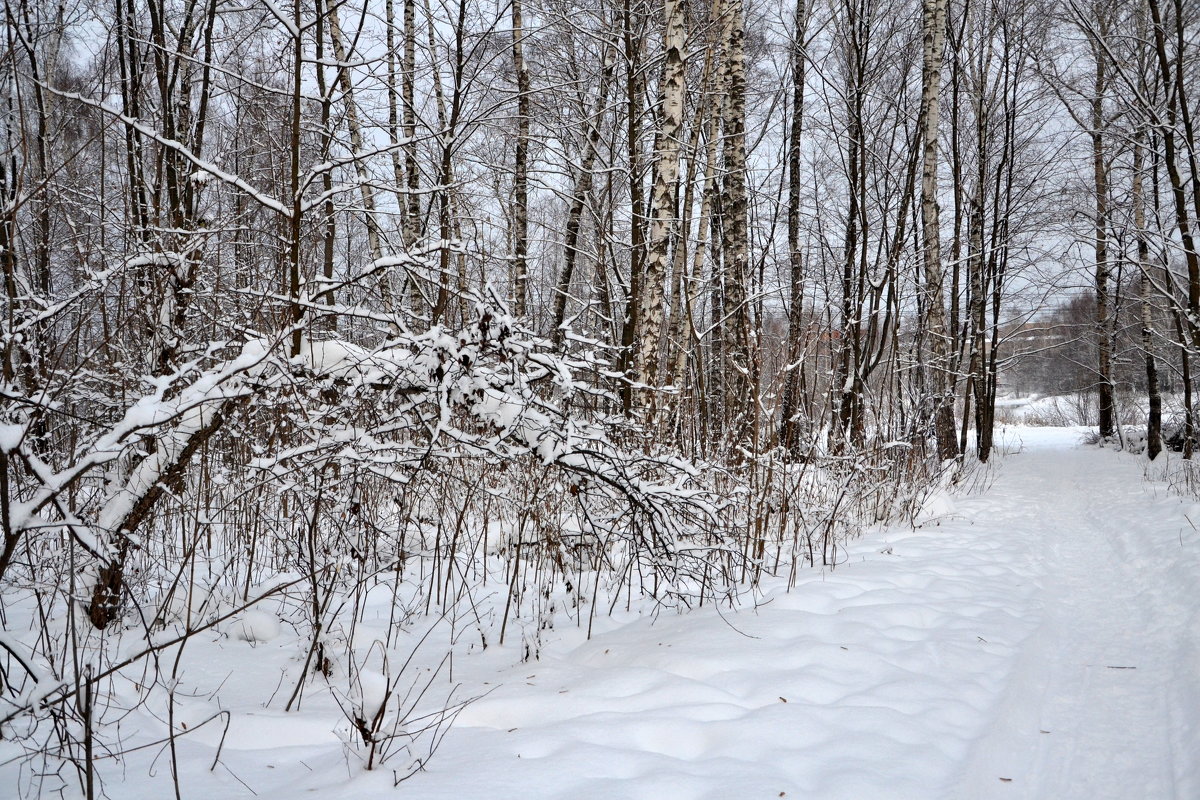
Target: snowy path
x,y
1105,697
1042,642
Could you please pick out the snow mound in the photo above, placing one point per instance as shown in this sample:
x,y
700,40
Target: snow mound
x,y
255,627
937,507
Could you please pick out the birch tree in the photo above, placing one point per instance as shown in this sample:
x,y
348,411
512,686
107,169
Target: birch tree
x,y
662,198
934,26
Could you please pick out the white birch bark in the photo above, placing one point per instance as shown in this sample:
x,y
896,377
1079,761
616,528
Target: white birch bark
x,y
737,369
934,22
662,199
520,267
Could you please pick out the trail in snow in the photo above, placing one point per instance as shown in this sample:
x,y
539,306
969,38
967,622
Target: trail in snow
x,y
1104,700
1041,642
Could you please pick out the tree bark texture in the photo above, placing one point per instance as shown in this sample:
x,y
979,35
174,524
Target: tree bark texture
x,y
934,21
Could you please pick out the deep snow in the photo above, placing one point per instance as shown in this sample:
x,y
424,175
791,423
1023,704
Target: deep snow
x,y
1038,638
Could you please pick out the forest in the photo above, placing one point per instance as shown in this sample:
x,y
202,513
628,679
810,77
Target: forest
x,y
389,332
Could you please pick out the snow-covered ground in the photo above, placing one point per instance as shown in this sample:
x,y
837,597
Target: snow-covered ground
x,y
1042,641
1080,408
1038,639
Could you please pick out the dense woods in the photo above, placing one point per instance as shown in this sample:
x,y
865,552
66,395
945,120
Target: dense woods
x,y
499,314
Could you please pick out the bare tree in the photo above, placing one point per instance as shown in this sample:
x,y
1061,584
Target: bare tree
x,y
934,27
662,198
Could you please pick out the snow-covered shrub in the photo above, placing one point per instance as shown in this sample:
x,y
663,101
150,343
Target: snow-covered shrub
x,y
417,464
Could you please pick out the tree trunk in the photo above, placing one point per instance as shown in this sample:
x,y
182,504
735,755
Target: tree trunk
x,y
633,135
579,197
1154,420
520,268
1100,187
935,312
738,367
1171,157
662,198
793,386
329,322
411,230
